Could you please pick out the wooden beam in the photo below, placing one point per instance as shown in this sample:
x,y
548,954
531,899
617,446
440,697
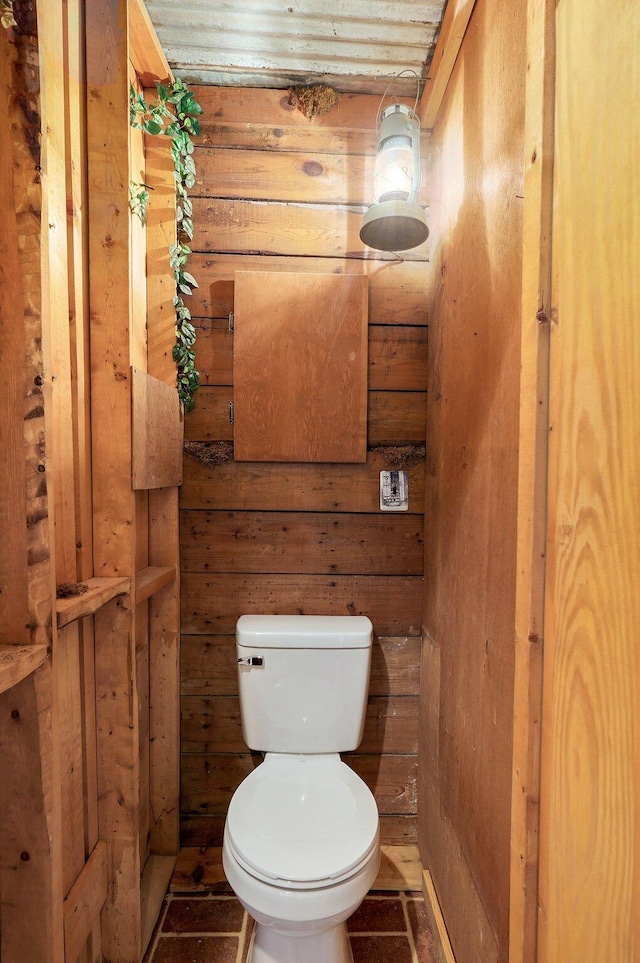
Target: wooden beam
x,y
454,25
84,901
117,691
30,829
14,610
147,56
151,579
164,552
532,480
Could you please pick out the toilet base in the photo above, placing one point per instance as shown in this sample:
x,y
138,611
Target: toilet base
x,y
271,947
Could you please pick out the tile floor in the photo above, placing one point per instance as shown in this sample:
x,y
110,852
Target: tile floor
x,y
213,928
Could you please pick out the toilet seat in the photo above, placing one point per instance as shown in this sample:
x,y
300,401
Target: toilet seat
x,y
302,822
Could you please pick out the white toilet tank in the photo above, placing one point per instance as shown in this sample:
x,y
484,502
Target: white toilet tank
x,y
304,681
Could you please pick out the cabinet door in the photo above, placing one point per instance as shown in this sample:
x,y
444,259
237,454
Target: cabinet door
x,y
300,367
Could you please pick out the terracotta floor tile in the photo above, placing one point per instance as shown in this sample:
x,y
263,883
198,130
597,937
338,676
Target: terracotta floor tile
x,y
203,916
378,916
426,946
380,949
196,949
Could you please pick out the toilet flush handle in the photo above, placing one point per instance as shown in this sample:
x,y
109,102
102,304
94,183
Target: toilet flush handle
x,y
251,660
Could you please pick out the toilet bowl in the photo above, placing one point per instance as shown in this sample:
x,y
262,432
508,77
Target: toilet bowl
x,y
301,850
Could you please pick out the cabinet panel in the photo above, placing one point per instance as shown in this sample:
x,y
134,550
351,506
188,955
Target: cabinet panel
x,y
300,367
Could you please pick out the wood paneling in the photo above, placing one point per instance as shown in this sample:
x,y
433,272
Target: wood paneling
x,y
291,229
590,803
396,358
213,603
290,542
307,400
393,417
209,668
209,780
318,488
472,445
292,537
397,289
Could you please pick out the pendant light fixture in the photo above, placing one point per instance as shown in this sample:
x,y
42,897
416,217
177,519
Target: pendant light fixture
x,y
395,221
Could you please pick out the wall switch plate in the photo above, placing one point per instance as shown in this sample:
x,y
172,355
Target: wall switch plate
x,y
394,491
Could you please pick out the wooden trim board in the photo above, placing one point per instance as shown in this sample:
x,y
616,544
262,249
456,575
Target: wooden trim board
x,y
432,905
454,25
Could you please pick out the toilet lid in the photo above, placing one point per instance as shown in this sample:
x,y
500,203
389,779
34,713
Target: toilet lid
x,y
302,819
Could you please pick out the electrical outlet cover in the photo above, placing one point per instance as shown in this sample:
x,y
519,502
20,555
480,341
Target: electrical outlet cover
x,y
394,491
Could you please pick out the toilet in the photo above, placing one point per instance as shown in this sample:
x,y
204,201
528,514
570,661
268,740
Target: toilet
x,y
301,841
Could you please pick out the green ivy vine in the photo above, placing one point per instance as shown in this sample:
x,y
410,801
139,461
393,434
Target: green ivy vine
x,y
174,116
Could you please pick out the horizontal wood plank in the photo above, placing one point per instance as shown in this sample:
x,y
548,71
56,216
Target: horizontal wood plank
x,y
393,417
247,486
397,356
151,579
265,137
305,176
209,780
398,290
208,666
254,227
213,603
101,590
250,106
212,724
302,542
19,661
208,830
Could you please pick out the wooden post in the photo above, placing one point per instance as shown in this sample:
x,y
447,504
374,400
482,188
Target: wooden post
x,y
164,607
113,500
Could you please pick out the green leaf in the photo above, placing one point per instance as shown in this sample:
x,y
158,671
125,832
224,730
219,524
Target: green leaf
x,y
152,127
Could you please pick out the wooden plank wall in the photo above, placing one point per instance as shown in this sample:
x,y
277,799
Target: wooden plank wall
x,y
590,801
277,192
471,499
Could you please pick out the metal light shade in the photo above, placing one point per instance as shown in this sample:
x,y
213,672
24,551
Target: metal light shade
x,y
396,222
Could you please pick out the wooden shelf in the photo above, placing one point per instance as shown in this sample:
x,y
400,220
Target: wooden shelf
x,y
19,661
150,580
101,591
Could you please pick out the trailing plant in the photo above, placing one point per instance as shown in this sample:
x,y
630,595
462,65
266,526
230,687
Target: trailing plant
x,y
174,115
138,199
7,18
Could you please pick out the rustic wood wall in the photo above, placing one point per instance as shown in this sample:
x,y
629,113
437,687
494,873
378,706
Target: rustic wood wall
x,y
89,682
278,192
471,498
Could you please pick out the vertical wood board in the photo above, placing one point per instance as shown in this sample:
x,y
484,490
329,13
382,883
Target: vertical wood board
x,y
471,477
299,367
590,805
